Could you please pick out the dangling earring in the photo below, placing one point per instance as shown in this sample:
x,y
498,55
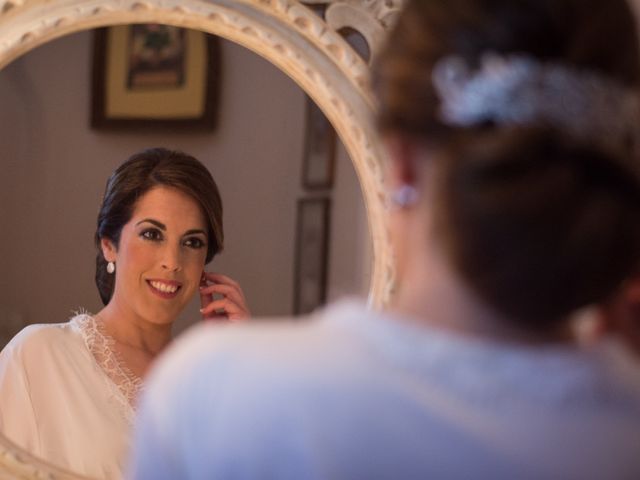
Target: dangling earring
x,y
404,196
111,267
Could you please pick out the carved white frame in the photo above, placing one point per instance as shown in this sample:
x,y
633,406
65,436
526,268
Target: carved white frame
x,y
285,32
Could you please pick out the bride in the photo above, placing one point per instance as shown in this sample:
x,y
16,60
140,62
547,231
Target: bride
x,y
68,391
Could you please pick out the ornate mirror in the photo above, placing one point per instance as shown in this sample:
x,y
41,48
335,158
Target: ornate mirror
x,y
306,47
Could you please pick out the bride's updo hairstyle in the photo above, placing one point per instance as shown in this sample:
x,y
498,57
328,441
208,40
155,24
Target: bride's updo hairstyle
x,y
529,113
135,177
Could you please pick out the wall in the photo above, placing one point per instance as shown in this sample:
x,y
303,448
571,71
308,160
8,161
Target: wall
x,y
54,169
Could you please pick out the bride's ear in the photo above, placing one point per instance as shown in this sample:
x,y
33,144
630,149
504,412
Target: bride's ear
x,y
108,249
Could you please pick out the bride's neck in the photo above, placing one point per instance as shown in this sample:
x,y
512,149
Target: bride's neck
x,y
133,331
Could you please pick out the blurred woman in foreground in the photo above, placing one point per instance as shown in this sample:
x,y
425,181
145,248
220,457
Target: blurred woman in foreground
x,y
512,131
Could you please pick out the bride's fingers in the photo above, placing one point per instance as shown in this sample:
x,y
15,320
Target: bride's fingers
x,y
220,278
219,284
225,307
205,297
226,290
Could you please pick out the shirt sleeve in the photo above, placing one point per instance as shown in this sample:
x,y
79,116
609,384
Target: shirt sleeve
x,y
193,423
153,456
158,433
212,409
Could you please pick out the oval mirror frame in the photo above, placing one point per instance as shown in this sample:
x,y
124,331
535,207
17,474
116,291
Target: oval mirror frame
x,y
307,48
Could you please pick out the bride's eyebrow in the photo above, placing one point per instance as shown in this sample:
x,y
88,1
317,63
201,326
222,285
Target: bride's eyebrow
x,y
158,224
194,232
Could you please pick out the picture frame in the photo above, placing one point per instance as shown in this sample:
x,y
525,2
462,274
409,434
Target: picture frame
x,y
311,256
152,76
318,165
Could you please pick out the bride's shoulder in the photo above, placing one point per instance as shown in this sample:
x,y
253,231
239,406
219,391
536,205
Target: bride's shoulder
x,y
42,337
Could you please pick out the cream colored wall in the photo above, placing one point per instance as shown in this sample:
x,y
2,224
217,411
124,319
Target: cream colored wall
x,y
54,169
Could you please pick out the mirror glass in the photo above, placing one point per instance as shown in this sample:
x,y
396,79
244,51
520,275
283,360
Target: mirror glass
x,y
55,167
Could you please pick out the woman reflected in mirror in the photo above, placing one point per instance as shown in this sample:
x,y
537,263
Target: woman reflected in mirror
x,y
62,386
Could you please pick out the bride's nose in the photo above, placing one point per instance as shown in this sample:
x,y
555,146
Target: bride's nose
x,y
171,259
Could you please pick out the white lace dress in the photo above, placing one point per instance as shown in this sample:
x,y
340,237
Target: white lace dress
x,y
66,397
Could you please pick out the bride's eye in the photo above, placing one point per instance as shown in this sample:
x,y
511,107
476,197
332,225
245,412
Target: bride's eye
x,y
152,234
194,242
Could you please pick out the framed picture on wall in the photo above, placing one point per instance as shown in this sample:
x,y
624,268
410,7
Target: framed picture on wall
x,y
312,249
151,75
319,149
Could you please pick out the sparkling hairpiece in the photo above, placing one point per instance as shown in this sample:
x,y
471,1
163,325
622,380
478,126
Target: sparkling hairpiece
x,y
519,90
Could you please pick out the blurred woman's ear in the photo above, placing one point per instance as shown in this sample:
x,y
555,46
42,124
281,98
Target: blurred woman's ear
x,y
622,315
402,158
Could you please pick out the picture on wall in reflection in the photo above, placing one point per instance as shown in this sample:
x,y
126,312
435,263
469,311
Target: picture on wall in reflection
x,y
312,248
152,76
156,56
319,149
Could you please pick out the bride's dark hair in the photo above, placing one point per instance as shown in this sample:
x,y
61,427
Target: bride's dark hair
x,y
537,223
135,177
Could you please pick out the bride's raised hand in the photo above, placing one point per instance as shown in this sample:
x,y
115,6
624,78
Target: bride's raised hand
x,y
222,298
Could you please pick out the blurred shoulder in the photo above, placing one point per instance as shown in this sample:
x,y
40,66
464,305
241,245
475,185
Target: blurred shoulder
x,y
261,347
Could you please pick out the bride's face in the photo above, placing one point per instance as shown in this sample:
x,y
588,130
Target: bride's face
x,y
160,256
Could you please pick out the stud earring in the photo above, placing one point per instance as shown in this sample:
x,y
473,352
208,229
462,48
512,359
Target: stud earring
x,y
111,267
404,196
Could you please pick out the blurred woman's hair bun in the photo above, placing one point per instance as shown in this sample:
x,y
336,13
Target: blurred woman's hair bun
x,y
529,110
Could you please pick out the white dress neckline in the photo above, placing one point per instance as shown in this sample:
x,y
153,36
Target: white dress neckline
x,y
127,386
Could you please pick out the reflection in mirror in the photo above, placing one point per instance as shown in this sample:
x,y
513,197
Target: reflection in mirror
x,y
54,169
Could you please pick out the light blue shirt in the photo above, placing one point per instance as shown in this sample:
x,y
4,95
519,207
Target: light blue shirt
x,y
353,394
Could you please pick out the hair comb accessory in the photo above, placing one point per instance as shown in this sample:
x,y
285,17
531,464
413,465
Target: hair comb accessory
x,y
519,90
